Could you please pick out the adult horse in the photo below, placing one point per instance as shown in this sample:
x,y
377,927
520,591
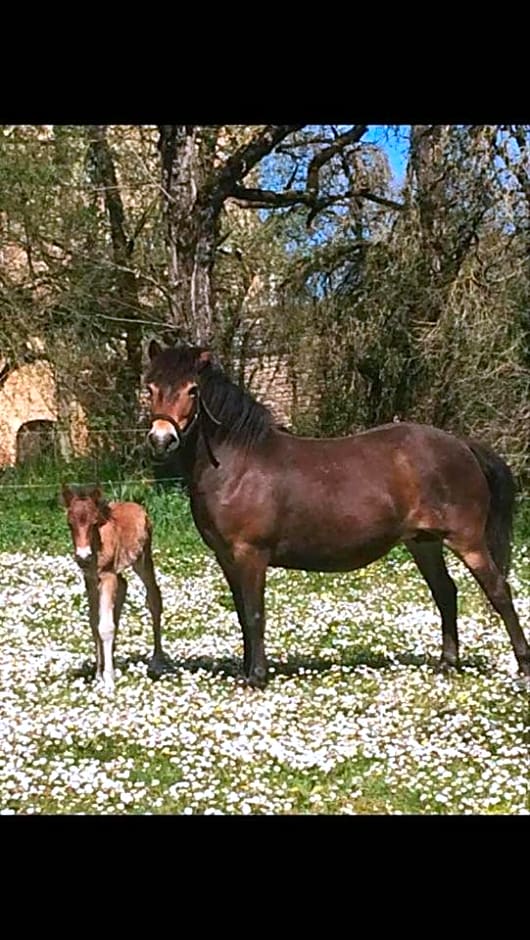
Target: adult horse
x,y
262,497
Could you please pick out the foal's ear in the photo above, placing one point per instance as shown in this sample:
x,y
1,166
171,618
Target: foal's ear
x,y
67,495
101,503
205,359
96,493
154,349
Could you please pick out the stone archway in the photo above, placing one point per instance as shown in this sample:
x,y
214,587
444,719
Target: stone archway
x,y
28,395
35,440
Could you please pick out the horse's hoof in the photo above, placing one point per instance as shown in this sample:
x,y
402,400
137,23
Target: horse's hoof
x,y
159,666
447,666
522,683
256,682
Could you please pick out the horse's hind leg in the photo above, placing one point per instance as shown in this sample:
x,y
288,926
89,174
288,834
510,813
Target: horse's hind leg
x,y
481,565
145,570
430,561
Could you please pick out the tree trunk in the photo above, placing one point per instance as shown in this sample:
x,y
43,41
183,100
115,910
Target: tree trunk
x,y
127,303
195,186
425,166
192,227
447,230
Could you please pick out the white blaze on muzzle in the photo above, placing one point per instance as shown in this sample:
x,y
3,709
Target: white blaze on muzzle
x,y
161,429
84,552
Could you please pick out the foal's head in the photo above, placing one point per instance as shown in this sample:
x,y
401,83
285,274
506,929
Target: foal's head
x,y
86,511
173,386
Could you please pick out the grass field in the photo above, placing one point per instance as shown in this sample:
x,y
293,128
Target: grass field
x,y
354,720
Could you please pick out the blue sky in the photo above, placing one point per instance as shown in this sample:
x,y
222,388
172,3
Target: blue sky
x,y
393,139
395,142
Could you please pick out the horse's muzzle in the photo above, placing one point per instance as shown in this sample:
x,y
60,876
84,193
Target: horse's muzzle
x,y
162,444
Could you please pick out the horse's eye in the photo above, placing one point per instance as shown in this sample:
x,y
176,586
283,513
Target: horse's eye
x,y
193,391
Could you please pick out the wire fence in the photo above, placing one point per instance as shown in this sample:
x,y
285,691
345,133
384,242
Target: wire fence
x,y
94,462
109,456
84,482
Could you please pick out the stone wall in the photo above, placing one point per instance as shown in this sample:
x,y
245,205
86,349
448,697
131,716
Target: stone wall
x,y
269,380
288,387
29,393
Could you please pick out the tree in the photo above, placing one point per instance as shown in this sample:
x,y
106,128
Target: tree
x,y
197,181
126,299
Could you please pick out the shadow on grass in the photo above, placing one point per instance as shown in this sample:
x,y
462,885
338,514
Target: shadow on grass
x,y
231,666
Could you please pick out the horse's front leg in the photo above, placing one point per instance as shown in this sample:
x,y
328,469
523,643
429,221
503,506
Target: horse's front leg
x,y
108,590
233,582
247,580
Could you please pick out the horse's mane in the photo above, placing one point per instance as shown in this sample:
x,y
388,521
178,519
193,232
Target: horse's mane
x,y
244,420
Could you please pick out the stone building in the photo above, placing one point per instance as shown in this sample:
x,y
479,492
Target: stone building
x,y
33,418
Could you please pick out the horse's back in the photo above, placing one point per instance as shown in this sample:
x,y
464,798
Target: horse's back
x,y
394,456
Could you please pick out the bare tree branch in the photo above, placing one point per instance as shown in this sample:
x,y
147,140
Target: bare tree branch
x,y
269,199
245,158
380,200
255,198
324,156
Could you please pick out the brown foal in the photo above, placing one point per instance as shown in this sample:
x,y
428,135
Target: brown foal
x,y
109,537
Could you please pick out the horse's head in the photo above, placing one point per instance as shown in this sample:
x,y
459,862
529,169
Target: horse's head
x,y
173,386
86,511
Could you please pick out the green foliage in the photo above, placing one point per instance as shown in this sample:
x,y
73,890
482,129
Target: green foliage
x,y
411,304
32,516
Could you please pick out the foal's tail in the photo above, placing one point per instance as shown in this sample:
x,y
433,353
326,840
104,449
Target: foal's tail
x,y
502,490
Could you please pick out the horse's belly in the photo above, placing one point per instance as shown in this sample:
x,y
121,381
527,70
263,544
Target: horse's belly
x,y
331,557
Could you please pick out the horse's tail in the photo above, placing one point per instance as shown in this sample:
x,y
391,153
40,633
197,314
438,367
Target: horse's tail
x,y
502,489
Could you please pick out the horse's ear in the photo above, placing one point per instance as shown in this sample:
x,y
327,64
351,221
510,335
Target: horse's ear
x,y
205,359
67,495
154,349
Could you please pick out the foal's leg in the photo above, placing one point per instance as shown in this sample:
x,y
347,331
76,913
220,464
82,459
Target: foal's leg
x,y
108,591
248,574
91,585
481,565
145,570
430,561
121,591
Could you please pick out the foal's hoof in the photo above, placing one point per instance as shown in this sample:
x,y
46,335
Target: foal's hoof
x,y
159,666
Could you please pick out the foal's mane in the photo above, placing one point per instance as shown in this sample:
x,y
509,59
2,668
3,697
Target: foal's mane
x,y
244,420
